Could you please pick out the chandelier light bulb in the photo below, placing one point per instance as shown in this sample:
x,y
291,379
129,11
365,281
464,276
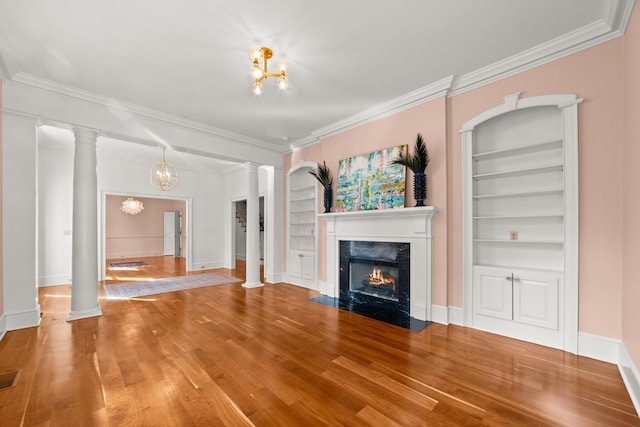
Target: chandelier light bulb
x,y
256,73
282,66
255,54
257,88
283,82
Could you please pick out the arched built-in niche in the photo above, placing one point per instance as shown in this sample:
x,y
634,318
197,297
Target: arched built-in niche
x,y
520,220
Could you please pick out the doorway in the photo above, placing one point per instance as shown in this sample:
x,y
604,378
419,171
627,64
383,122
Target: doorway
x,y
240,229
127,236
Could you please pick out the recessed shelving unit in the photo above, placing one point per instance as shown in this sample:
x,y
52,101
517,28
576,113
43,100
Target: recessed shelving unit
x,y
520,220
301,225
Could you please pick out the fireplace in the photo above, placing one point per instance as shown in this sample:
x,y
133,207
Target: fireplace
x,y
412,226
375,279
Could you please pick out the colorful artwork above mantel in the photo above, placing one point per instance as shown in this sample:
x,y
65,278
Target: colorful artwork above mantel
x,y
369,181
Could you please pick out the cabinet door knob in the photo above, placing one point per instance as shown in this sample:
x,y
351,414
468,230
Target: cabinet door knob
x,y
509,278
516,279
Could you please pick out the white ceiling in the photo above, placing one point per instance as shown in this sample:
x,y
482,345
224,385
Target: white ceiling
x,y
190,58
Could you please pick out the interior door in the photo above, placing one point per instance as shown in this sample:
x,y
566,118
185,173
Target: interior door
x,y
169,233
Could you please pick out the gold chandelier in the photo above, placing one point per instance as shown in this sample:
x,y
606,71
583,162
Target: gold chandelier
x,y
259,73
132,206
163,174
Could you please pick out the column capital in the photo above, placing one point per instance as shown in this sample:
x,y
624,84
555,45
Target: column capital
x,y
85,135
252,167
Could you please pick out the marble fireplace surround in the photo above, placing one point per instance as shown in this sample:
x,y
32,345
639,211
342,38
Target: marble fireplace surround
x,y
408,225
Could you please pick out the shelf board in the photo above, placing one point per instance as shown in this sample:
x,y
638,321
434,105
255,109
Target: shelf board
x,y
517,172
303,211
302,235
511,267
518,194
533,148
520,241
551,216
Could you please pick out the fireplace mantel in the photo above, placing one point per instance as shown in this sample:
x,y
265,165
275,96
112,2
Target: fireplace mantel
x,y
411,225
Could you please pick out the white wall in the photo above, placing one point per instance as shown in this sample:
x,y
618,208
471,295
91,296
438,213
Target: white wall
x,y
55,205
19,194
123,168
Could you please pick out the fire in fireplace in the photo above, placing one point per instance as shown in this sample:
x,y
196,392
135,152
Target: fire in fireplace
x,y
375,279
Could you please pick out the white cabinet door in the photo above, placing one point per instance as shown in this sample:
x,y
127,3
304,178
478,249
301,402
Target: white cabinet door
x,y
519,303
535,296
492,293
307,265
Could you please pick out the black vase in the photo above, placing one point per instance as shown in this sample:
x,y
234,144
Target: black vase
x,y
420,188
328,199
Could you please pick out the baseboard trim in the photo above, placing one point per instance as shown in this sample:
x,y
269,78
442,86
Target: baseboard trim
x,y
3,326
599,348
206,265
275,278
60,279
439,314
327,289
447,315
77,315
630,376
23,319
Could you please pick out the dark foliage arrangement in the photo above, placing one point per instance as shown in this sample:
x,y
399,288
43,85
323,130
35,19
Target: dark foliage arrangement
x,y
418,161
323,175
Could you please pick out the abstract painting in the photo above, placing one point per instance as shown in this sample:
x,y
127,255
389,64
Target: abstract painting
x,y
369,181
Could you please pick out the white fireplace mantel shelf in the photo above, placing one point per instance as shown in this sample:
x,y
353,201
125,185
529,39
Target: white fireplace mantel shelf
x,y
410,225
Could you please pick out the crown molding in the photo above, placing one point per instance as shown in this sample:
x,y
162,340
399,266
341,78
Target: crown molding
x,y
420,96
136,110
615,17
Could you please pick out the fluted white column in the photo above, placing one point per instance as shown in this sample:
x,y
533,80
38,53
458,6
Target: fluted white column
x,y
84,268
252,279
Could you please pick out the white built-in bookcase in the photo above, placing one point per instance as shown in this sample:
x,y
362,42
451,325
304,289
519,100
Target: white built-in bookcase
x,y
520,231
302,243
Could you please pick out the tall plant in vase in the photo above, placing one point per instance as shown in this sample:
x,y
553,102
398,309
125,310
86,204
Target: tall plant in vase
x,y
417,162
323,175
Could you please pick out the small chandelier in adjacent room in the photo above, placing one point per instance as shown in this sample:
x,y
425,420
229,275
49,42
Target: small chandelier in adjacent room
x,y
163,174
132,206
259,73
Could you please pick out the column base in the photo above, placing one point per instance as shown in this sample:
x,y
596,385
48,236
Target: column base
x,y
76,315
252,285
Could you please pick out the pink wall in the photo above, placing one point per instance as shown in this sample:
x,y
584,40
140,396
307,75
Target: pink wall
x,y
631,205
596,75
1,210
139,235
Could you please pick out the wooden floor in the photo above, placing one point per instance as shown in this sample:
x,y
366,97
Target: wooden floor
x,y
226,355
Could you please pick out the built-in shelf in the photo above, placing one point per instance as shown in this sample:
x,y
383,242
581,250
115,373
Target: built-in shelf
x,y
520,241
499,217
519,172
516,151
507,267
301,225
518,194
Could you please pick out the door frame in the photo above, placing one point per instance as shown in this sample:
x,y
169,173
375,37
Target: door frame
x,y
102,234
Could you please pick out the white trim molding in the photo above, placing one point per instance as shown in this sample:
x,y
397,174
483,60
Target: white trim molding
x,y
630,376
23,319
599,348
3,326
